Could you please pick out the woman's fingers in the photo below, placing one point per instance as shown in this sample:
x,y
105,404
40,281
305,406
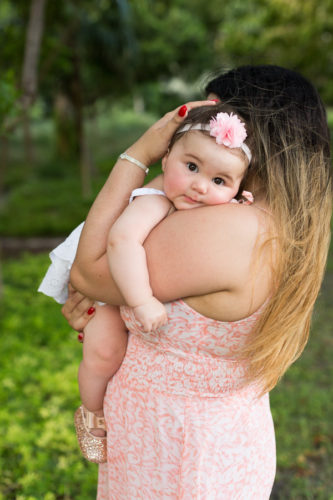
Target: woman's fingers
x,y
153,144
176,117
198,104
182,111
74,298
80,337
78,310
76,320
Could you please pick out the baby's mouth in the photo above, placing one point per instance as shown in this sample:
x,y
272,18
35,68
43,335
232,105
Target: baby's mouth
x,y
188,199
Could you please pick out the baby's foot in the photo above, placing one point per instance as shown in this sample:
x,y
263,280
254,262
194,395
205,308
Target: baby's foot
x,y
87,424
99,418
97,432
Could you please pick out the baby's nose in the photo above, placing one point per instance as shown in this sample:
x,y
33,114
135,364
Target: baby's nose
x,y
200,185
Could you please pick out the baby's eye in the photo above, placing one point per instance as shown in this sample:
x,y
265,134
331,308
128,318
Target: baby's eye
x,y
218,180
192,167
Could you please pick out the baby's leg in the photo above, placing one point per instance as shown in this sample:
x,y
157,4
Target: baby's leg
x,y
104,347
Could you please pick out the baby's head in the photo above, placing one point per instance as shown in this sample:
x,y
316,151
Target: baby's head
x,y
207,158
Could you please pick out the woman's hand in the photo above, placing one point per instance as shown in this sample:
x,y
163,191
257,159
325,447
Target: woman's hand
x,y
78,309
154,143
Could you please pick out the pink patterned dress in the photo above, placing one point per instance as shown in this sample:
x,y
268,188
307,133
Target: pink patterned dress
x,y
179,424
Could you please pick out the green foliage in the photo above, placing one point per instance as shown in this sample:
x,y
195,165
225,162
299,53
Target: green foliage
x,y
45,198
122,49
330,118
45,206
39,456
116,48
108,49
302,408
296,34
13,16
9,94
173,40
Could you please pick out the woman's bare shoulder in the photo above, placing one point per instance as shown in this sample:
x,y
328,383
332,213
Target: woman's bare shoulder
x,y
231,226
242,220
203,250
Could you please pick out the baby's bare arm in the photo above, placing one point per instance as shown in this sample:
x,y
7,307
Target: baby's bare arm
x,y
127,257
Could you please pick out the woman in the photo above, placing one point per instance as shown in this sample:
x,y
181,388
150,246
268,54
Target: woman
x,y
188,413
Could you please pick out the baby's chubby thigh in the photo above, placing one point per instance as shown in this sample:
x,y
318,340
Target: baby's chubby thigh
x,y
105,341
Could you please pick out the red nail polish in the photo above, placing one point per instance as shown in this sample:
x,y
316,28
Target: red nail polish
x,y
215,100
91,311
80,337
182,111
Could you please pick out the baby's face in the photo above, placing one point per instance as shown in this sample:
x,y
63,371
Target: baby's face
x,y
199,172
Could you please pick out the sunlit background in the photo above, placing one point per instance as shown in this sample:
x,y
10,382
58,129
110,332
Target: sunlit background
x,y
79,81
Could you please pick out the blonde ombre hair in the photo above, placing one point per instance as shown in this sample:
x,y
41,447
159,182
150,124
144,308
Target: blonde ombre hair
x,y
291,166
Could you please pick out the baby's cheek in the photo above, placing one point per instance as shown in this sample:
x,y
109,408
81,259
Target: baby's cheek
x,y
219,198
173,185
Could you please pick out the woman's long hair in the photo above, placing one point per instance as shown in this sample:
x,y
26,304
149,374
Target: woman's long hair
x,y
291,164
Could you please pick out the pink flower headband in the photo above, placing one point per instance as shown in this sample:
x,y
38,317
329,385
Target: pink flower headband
x,y
227,129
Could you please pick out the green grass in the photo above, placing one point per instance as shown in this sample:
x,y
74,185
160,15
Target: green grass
x,y
39,359
39,456
302,407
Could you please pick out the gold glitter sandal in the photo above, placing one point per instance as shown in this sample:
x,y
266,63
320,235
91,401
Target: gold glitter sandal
x,y
93,448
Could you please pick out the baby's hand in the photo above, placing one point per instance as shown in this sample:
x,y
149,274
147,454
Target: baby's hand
x,y
152,314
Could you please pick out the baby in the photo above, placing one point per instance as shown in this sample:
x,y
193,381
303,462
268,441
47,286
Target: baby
x,y
205,164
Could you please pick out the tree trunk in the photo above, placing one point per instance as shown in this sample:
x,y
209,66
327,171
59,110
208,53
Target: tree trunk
x,y
77,99
66,141
30,64
85,165
32,50
27,139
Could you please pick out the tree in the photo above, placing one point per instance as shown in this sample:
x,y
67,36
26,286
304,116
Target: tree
x,y
32,50
8,115
111,49
30,67
295,34
108,49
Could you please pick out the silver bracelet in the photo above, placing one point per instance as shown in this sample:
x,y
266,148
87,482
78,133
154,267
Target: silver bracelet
x,y
125,156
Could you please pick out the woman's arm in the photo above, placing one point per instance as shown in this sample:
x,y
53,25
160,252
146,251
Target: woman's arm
x,y
191,252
